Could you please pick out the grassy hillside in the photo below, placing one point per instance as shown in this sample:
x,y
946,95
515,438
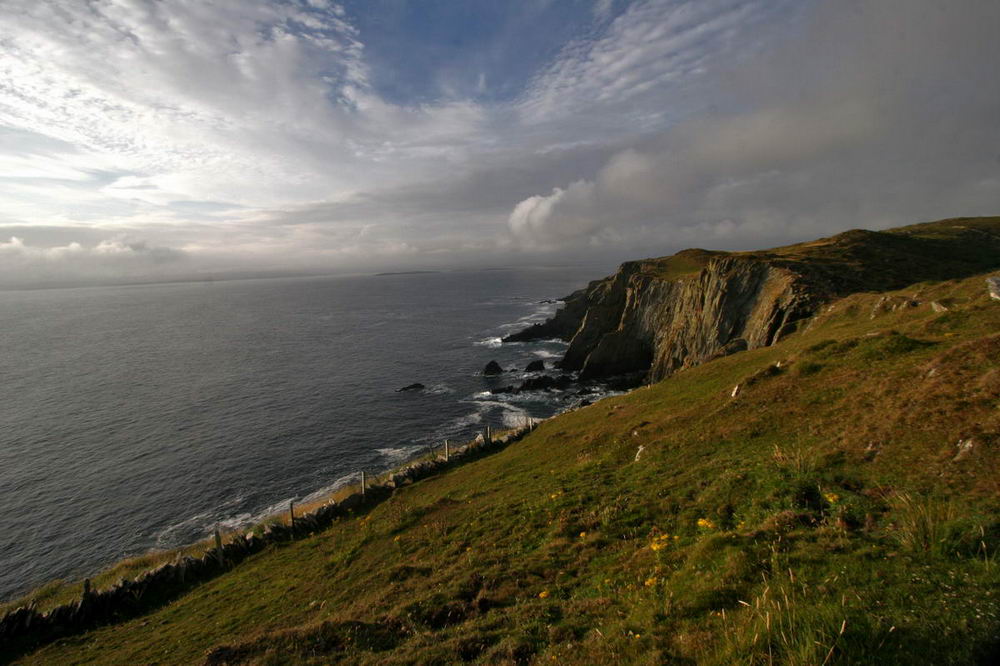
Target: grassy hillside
x,y
825,514
862,260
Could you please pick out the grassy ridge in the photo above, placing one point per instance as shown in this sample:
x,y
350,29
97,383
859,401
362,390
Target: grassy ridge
x,y
820,516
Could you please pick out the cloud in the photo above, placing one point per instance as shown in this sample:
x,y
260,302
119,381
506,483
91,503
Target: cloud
x,y
111,258
879,113
563,214
255,135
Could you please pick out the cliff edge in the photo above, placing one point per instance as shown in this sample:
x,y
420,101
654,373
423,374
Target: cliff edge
x,y
655,316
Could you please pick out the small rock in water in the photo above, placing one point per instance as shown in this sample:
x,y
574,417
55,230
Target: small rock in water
x,y
492,368
412,387
535,366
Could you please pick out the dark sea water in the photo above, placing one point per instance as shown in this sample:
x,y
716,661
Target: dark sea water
x,y
136,418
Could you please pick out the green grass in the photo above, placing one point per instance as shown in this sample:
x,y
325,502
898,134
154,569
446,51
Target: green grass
x,y
680,265
817,518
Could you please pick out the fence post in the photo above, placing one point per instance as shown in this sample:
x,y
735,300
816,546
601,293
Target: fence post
x,y
291,514
218,548
447,451
362,483
86,588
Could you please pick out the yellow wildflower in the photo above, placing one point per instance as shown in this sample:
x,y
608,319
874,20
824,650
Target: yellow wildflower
x,y
583,535
544,594
706,523
651,581
832,498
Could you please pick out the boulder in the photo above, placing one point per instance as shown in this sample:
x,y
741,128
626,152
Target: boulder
x,y
993,284
417,386
965,448
492,368
545,383
542,383
535,366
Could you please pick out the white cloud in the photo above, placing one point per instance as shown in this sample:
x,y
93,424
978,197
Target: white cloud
x,y
564,214
118,258
603,8
265,103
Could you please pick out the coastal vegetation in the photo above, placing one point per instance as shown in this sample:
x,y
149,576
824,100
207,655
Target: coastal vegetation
x,y
829,498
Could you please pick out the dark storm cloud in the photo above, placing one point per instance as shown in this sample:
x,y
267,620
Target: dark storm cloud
x,y
879,113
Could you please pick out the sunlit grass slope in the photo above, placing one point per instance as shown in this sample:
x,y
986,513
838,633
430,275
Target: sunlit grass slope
x,y
826,514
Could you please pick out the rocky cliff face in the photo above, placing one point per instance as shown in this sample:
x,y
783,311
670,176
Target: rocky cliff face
x,y
639,322
654,317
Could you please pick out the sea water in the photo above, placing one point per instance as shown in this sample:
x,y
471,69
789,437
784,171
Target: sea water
x,y
140,417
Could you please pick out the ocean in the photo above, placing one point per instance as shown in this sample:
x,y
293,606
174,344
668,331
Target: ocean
x,y
140,417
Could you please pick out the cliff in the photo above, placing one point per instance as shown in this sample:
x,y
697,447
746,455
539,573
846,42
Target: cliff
x,y
655,316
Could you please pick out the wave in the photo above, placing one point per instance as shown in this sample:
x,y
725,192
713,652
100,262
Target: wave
x,y
201,524
510,415
399,454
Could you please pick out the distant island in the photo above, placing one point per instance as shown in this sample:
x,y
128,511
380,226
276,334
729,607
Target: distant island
x,y
405,273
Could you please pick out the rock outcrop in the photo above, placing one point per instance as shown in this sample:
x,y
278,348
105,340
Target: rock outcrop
x,y
492,368
639,322
535,366
656,316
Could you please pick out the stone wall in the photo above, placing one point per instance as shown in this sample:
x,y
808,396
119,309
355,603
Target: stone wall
x,y
26,628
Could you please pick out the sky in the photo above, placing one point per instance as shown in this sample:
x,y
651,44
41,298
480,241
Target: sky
x,y
168,139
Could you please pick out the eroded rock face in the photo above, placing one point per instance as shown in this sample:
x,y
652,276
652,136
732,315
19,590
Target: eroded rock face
x,y
639,322
562,325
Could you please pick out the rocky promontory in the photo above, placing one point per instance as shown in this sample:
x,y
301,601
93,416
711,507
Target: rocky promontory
x,y
655,316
